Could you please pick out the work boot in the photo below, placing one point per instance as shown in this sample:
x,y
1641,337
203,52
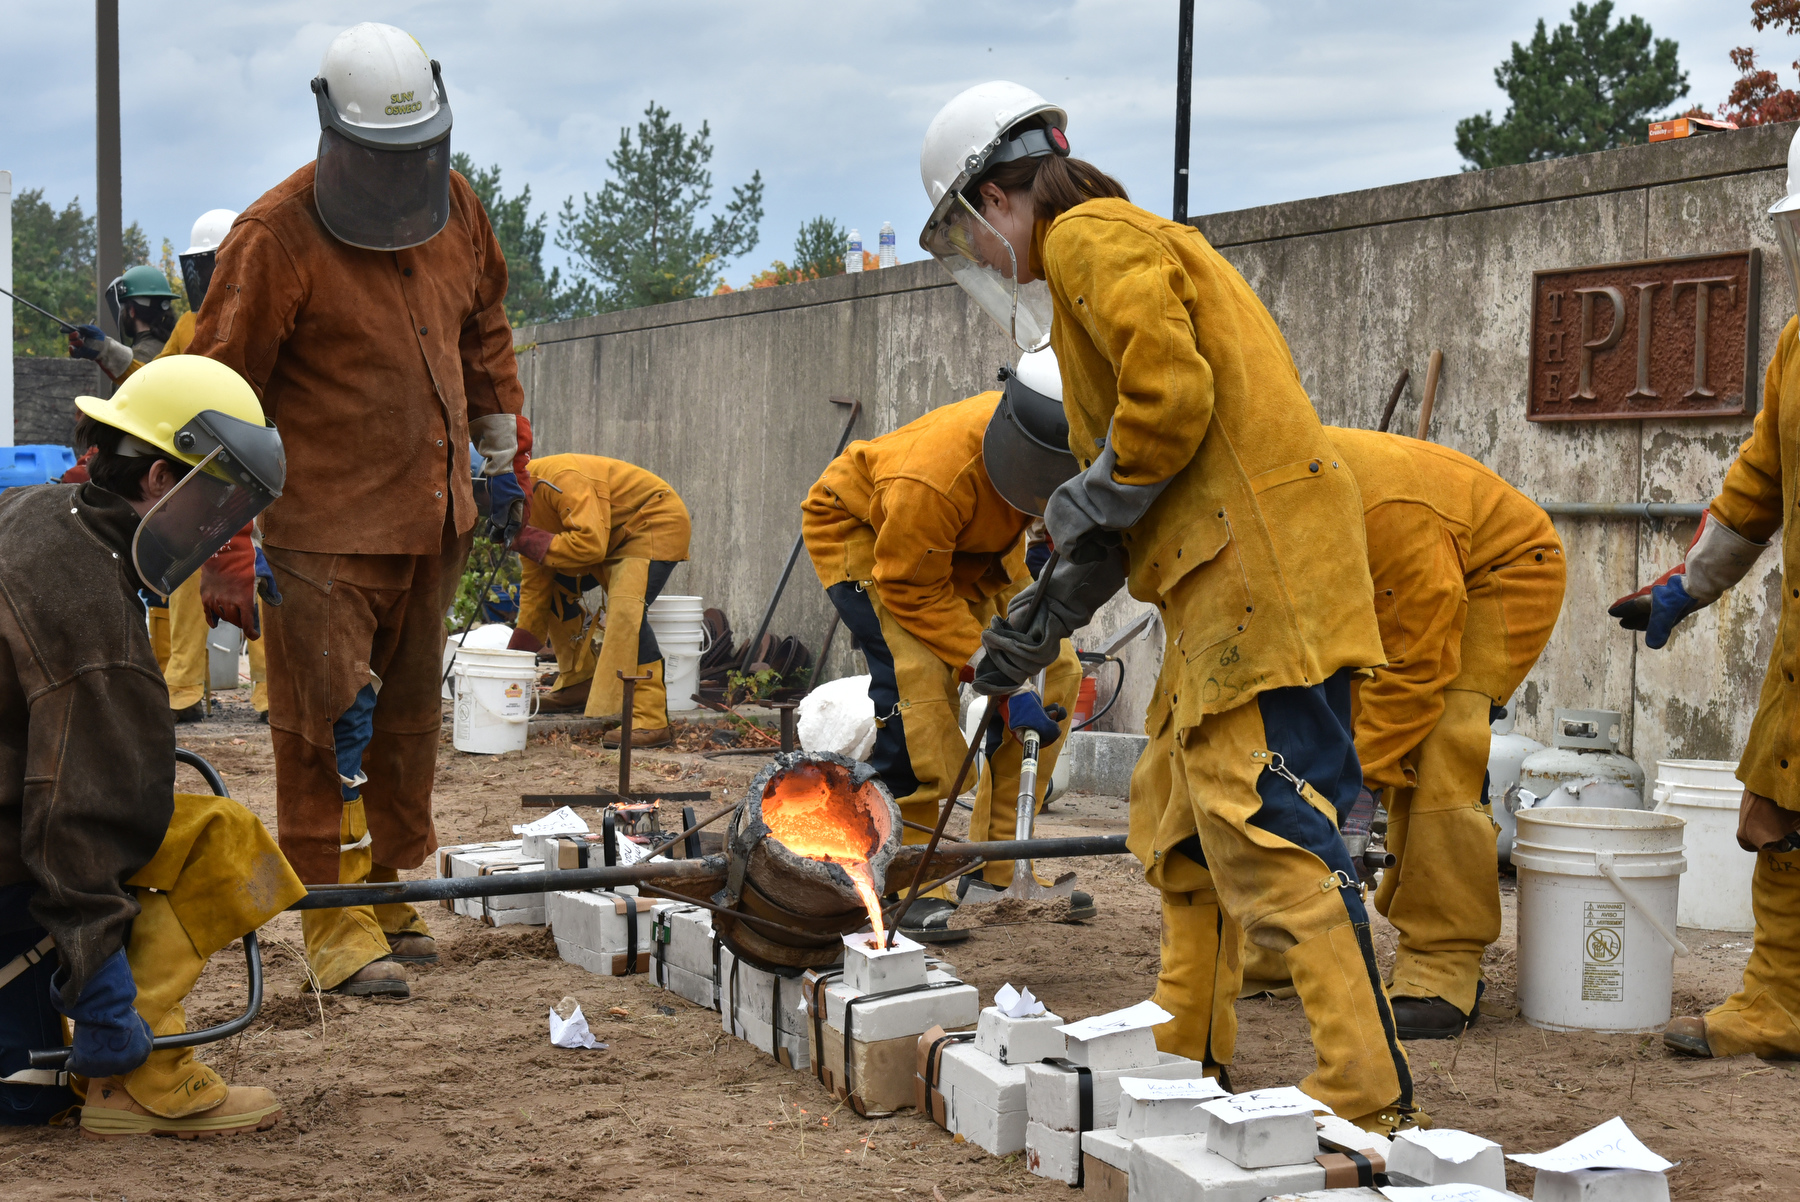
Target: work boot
x,y
262,717
383,978
193,713
111,1113
1433,1017
1687,1035
409,948
656,736
927,920
571,700
1394,1118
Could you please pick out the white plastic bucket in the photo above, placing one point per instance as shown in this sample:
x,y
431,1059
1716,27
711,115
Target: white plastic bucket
x,y
680,626
1598,892
1707,794
492,636
494,700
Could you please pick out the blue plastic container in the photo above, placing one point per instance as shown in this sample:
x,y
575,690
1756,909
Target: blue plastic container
x,y
38,464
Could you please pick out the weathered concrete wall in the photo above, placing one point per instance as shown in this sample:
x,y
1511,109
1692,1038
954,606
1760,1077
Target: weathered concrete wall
x,y
727,397
44,392
1368,282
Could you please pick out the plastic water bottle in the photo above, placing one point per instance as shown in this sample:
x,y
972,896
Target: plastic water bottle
x,y
853,256
890,253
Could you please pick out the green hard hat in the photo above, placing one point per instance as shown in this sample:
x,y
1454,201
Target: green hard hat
x,y
143,280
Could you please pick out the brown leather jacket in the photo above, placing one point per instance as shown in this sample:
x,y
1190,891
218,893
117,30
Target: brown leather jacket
x,y
370,362
87,739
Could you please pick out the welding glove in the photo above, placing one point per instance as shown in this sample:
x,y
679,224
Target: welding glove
x,y
1023,711
532,543
1087,511
111,1038
1717,559
506,508
228,585
1018,649
91,342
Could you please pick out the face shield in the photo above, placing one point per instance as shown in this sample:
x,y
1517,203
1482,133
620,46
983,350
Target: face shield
x,y
383,187
196,275
239,473
1026,447
987,267
1786,216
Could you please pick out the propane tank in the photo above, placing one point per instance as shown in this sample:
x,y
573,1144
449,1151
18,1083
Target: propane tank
x,y
1506,751
1583,767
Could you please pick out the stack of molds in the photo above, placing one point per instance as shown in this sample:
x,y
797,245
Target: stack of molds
x,y
869,1016
1148,1108
604,931
536,837
684,953
1080,1092
1255,1144
493,859
975,1087
763,1009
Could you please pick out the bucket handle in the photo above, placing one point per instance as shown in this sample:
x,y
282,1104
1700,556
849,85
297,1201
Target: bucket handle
x,y
525,717
1604,861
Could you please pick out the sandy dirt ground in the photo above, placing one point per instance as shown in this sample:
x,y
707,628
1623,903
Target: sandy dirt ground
x,y
457,1094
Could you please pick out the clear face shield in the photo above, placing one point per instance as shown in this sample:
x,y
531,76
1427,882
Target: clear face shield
x,y
1786,216
987,266
239,474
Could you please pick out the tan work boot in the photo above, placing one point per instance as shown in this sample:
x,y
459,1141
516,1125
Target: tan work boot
x,y
1687,1035
112,1113
383,978
412,948
658,736
571,700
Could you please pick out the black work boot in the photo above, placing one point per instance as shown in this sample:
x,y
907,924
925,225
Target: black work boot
x,y
1433,1017
927,920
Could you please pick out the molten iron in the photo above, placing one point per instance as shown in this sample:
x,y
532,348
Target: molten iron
x,y
813,820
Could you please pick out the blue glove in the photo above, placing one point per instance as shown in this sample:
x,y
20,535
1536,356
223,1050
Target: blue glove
x,y
506,507
111,1038
1656,609
265,580
1025,711
87,342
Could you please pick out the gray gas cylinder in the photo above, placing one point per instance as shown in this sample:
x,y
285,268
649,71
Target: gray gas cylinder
x,y
1506,752
1582,767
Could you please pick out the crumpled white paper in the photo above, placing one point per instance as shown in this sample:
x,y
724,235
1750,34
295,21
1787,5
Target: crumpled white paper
x,y
1457,1147
1144,1014
1017,1003
1261,1103
1611,1145
1446,1193
572,1033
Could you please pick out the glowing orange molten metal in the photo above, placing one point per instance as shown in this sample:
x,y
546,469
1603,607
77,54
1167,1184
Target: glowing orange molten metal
x,y
814,820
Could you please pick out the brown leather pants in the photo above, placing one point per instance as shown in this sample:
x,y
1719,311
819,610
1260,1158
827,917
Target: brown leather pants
x,y
345,619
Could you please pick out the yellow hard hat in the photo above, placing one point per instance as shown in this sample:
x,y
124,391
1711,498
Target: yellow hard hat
x,y
158,400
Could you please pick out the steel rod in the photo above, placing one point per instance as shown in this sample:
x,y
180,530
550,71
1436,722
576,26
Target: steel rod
x,y
700,825
1623,509
1184,106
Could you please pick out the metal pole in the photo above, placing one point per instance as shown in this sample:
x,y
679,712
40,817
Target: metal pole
x,y
109,261
1184,106
1623,509
6,281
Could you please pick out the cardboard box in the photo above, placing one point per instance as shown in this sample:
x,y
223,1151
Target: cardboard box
x,y
1180,1166
882,1045
1687,127
1106,1166
604,932
928,1097
1053,1093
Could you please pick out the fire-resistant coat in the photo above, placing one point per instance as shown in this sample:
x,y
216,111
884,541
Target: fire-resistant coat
x,y
1468,576
1763,485
1254,553
915,512
371,363
605,509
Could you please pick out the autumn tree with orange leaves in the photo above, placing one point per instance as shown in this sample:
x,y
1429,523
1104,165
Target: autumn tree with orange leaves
x,y
1757,98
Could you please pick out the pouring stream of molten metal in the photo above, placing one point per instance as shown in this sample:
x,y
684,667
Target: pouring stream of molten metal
x,y
804,813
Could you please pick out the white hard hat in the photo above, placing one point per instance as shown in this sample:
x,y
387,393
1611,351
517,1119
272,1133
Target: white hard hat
x,y
1037,370
209,231
382,179
1025,449
961,139
1786,215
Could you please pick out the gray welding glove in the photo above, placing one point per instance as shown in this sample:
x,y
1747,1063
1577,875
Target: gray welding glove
x,y
1087,510
1017,650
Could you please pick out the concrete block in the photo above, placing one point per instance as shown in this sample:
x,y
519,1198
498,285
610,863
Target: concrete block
x,y
996,1132
1052,1153
871,968
1181,1166
1116,1049
1429,1165
746,990
1019,1040
1600,1185
1101,762
1261,1141
1109,1147
604,933
906,1014
1361,1193
788,1047
683,936
491,859
1053,1097
966,1069
1148,1107
695,988
1342,1135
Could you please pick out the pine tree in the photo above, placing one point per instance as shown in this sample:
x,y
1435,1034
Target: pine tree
x,y
531,296
1591,85
819,248
641,238
53,268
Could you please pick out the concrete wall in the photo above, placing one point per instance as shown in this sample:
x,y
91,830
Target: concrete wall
x,y
727,397
44,392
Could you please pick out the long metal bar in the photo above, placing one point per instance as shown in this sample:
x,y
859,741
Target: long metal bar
x,y
1184,106
109,261
67,328
1622,509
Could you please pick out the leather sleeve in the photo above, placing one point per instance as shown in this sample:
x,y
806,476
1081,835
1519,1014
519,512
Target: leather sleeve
x,y
251,304
1133,300
584,507
916,531
1422,606
1750,500
490,368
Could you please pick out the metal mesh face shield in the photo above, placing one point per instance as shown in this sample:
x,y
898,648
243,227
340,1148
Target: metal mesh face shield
x,y
1026,447
986,265
196,275
240,474
379,198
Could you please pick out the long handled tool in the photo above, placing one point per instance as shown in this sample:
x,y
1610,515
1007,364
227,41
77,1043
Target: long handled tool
x,y
1431,384
981,732
762,628
67,328
1024,882
624,794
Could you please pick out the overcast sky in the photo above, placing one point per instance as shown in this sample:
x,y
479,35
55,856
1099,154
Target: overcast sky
x,y
828,100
